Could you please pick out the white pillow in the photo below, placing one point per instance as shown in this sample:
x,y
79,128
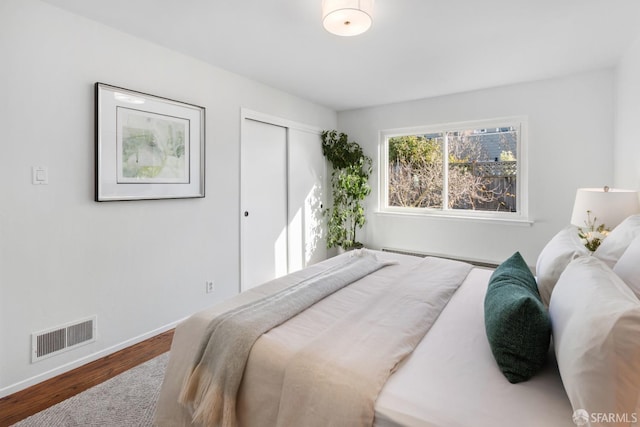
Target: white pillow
x,y
614,245
556,255
596,331
628,266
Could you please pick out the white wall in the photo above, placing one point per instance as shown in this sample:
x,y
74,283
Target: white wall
x,y
570,145
140,266
627,141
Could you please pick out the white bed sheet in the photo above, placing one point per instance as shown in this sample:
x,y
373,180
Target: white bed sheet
x,y
450,380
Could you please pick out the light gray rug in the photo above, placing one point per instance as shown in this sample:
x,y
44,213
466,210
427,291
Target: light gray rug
x,y
127,400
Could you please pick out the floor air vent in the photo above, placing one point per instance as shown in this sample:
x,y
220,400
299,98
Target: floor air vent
x,y
56,340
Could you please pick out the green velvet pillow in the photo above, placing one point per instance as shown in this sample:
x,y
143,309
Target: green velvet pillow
x,y
517,323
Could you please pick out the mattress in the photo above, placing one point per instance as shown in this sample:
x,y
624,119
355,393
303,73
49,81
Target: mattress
x,y
451,379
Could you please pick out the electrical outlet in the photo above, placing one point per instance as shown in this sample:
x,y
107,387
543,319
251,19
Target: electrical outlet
x,y
209,286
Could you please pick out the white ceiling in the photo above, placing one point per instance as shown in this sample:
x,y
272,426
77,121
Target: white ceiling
x,y
415,48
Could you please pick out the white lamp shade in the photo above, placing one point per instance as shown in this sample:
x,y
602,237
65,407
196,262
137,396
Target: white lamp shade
x,y
609,207
347,17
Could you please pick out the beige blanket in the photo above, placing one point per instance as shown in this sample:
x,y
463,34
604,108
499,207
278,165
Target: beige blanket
x,y
211,388
335,380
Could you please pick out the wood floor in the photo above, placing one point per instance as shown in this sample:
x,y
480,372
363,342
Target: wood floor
x,y
25,403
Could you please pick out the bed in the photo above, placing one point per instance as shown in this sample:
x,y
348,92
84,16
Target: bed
x,y
450,378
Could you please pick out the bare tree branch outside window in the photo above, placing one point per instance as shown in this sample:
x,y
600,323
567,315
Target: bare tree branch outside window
x,y
481,172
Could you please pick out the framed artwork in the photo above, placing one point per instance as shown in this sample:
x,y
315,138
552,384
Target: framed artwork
x,y
147,147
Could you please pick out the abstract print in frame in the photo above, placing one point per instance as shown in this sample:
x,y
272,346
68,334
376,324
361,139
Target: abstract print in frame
x,y
147,147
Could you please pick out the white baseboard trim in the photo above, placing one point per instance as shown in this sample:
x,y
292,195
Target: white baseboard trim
x,y
21,385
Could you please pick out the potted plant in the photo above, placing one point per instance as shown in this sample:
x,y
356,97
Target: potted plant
x,y
349,187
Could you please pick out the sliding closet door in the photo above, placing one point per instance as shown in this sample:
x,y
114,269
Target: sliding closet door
x,y
307,175
264,202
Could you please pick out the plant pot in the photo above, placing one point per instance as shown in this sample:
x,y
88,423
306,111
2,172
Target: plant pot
x,y
356,245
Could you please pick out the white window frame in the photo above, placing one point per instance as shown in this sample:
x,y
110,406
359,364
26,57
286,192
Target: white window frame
x,y
522,184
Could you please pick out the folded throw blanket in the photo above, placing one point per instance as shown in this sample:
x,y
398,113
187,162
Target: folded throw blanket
x,y
212,387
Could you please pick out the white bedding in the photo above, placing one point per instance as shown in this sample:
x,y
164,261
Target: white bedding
x,y
451,379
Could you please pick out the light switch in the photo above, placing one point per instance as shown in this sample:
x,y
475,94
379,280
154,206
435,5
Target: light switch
x,y
40,175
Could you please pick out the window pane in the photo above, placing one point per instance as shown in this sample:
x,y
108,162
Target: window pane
x,y
415,171
483,169
466,168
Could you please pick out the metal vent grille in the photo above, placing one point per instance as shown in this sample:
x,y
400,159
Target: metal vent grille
x,y
403,252
53,341
79,333
50,342
477,263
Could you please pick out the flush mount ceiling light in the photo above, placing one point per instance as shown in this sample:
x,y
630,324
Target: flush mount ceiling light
x,y
347,17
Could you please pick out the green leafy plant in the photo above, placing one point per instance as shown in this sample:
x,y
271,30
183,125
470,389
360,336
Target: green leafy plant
x,y
349,187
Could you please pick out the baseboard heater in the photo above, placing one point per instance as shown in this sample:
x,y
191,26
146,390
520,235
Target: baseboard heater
x,y
52,341
424,254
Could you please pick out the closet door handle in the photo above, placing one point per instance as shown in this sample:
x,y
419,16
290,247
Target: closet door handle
x,y
246,213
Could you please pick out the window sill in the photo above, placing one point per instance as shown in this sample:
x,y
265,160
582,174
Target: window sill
x,y
519,221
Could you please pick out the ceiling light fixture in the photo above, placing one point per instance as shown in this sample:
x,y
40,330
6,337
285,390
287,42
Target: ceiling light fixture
x,y
347,17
